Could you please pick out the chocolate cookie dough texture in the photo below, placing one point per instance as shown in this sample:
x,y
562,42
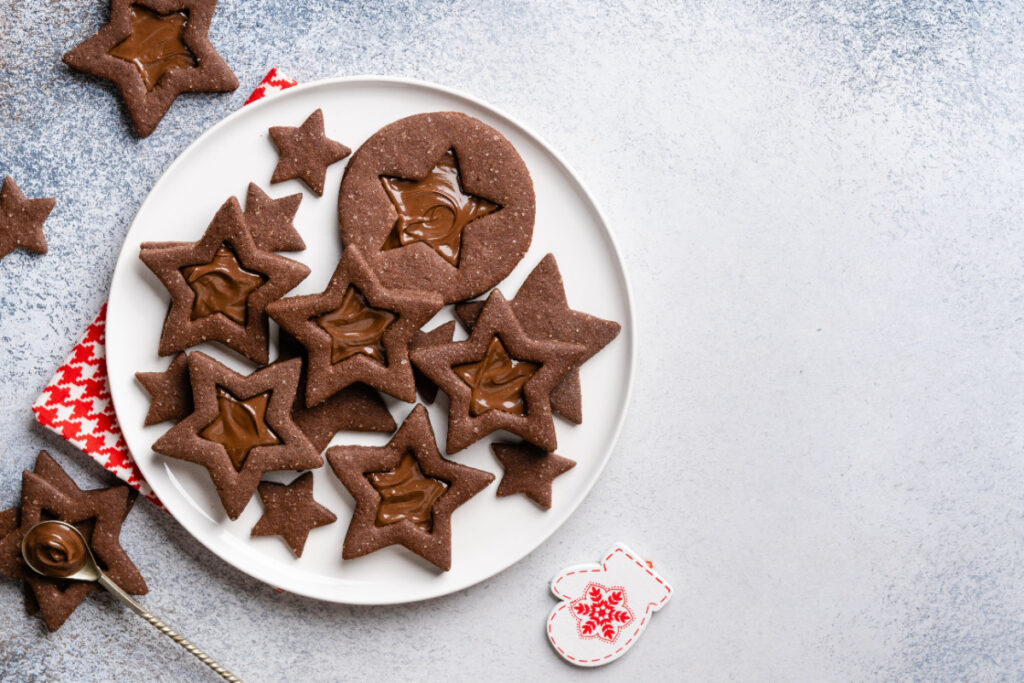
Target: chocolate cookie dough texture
x,y
499,378
291,513
271,221
405,492
170,392
439,202
21,219
356,330
529,470
49,493
421,340
220,287
356,408
306,152
154,50
542,309
241,427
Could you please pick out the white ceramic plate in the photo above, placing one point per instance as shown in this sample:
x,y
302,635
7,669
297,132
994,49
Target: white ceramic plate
x,y
489,533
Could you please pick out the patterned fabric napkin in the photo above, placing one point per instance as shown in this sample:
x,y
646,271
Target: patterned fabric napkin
x,y
76,402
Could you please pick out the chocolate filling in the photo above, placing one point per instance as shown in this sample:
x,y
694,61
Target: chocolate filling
x,y
356,327
156,44
222,286
434,210
240,426
405,493
497,381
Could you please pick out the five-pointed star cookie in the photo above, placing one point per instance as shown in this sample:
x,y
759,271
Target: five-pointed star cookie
x,y
220,286
271,220
543,311
405,492
497,397
241,427
169,391
21,219
154,50
98,514
306,152
529,470
290,512
356,330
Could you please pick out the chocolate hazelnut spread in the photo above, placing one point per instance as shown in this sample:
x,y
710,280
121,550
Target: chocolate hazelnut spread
x,y
405,493
240,426
222,286
356,327
55,550
156,44
434,210
497,381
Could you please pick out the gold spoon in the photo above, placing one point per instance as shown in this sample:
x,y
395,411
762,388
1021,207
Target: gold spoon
x,y
57,550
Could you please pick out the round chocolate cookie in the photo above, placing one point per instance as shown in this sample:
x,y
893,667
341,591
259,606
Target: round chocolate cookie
x,y
439,201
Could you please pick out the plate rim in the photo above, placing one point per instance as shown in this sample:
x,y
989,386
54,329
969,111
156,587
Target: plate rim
x,y
629,324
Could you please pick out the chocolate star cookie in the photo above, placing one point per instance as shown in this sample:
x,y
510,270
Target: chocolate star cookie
x,y
499,378
440,202
291,512
97,514
356,331
421,340
154,50
241,427
306,152
170,392
405,492
543,311
270,220
21,219
356,408
529,470
220,286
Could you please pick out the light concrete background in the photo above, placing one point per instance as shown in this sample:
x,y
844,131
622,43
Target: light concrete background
x,y
820,208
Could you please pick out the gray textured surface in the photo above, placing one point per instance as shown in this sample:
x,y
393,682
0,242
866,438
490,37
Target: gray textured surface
x,y
821,212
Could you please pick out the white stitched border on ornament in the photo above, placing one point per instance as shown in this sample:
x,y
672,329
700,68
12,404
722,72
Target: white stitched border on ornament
x,y
603,567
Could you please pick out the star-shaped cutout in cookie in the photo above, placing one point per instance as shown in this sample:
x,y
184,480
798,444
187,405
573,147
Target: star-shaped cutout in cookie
x,y
49,493
154,50
529,470
496,382
291,513
204,436
317,322
418,512
541,307
220,286
467,423
434,209
170,392
271,220
240,426
21,219
306,152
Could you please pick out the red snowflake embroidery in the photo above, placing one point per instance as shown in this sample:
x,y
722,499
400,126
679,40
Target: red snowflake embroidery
x,y
601,612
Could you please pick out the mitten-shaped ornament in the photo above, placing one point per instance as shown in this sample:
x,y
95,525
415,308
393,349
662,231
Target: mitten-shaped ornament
x,y
604,607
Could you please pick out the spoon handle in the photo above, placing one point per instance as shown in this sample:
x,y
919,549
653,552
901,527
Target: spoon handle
x,y
166,630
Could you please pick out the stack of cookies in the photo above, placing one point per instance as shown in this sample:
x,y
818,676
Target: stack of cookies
x,y
434,210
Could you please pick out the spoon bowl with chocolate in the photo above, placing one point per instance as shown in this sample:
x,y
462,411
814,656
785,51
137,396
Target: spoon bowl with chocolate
x,y
58,550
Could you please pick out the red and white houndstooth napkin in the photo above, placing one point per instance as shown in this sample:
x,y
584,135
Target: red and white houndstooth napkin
x,y
76,402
